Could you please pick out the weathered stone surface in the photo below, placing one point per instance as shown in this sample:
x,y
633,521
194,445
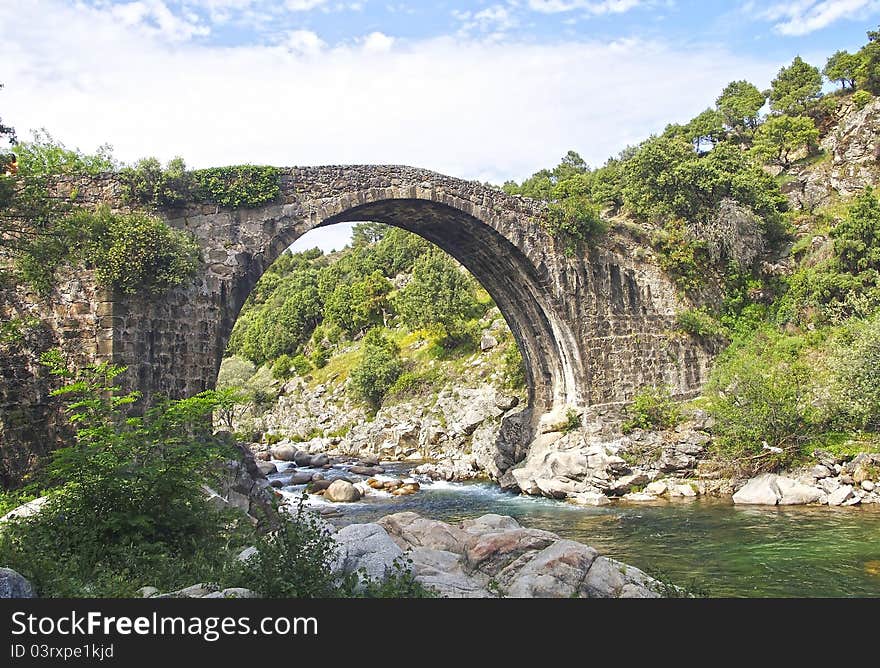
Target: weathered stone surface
x,y
365,546
795,493
341,491
14,585
557,571
840,496
285,453
761,490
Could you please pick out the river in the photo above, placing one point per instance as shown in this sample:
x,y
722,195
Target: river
x,y
708,545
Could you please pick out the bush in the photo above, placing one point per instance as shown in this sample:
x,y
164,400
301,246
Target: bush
x,y
699,322
514,367
684,258
861,98
378,370
572,421
301,365
293,560
282,368
652,408
125,504
239,186
855,367
138,253
234,372
761,391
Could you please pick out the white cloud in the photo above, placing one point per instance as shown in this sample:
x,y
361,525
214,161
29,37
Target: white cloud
x,y
801,17
303,5
466,107
597,7
377,42
304,42
495,19
154,16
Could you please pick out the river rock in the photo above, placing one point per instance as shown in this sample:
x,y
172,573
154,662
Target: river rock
x,y
319,485
657,488
300,478
820,471
868,486
365,546
320,460
412,530
840,496
369,460
302,458
267,468
15,585
638,496
625,483
341,491
761,490
795,493
284,452
442,571
557,571
590,499
367,470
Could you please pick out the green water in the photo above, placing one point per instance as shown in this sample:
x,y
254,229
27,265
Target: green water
x,y
723,549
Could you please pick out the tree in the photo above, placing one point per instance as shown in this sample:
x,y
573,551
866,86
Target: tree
x,y
438,294
739,104
795,88
379,368
365,234
868,70
706,128
780,136
842,67
857,236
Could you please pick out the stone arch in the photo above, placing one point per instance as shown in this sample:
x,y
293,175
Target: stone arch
x,y
515,284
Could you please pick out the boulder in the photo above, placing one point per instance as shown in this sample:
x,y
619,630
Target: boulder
x,y
795,493
492,552
367,470
761,490
233,592
590,499
320,460
638,497
442,571
365,546
302,458
14,585
684,490
340,491
657,488
300,478
609,578
266,468
487,342
557,571
284,452
369,460
840,495
25,510
319,485
410,530
625,483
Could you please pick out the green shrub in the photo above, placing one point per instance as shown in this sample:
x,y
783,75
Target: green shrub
x,y
761,391
301,365
684,258
861,98
652,408
137,252
238,186
378,370
293,560
235,372
319,357
699,322
855,365
514,367
125,504
572,421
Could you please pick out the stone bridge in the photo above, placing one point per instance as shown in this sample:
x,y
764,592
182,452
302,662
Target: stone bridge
x,y
593,328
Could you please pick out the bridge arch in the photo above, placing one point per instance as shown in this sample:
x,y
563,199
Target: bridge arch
x,y
547,344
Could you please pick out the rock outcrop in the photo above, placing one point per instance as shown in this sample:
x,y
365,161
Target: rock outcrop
x,y
488,556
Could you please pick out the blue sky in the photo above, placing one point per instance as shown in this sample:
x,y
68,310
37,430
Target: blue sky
x,y
487,90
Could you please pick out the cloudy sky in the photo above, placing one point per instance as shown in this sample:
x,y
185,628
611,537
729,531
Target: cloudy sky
x,y
489,90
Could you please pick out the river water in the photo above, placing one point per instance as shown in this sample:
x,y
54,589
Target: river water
x,y
708,545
